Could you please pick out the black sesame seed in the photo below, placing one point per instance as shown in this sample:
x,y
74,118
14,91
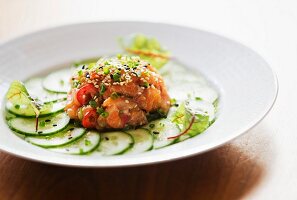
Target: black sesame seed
x,y
47,120
71,129
55,125
39,132
155,132
69,138
111,76
106,138
83,67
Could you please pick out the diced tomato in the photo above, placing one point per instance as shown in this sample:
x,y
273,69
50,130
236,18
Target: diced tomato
x,y
86,93
90,119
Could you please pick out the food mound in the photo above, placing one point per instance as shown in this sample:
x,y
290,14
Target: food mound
x,y
117,93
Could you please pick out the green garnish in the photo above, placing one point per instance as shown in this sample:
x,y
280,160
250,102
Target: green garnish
x,y
147,48
18,95
106,70
62,82
119,56
172,101
102,89
42,124
146,84
80,72
104,114
198,98
116,77
100,110
91,65
88,142
93,103
183,118
114,95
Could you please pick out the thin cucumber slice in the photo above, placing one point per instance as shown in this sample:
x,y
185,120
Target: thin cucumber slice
x,y
86,144
143,140
46,110
58,81
46,125
114,143
161,130
183,91
35,89
66,136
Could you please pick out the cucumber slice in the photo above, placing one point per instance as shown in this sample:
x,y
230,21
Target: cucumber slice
x,y
86,144
46,125
115,143
68,135
162,129
35,89
46,110
58,81
143,140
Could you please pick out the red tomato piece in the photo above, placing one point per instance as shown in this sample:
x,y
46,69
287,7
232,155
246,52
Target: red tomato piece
x,y
86,93
90,119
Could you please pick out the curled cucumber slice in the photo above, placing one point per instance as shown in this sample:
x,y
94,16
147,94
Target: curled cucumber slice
x,y
46,110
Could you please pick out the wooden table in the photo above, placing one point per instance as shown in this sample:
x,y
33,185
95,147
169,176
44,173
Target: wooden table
x,y
259,165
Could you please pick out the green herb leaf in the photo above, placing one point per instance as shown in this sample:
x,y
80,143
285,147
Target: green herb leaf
x,y
182,118
147,48
18,95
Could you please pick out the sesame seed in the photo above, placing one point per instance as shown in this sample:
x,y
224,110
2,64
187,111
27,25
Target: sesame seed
x,y
126,101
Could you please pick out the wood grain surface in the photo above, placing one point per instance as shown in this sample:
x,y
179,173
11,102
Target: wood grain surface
x,y
259,165
225,173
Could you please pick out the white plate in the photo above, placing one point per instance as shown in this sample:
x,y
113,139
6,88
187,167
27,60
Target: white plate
x,y
247,85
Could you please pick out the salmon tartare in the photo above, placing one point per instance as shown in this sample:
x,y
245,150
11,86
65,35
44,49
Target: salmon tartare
x,y
117,93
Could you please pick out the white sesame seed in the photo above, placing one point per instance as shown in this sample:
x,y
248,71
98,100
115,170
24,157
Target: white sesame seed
x,y
126,101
